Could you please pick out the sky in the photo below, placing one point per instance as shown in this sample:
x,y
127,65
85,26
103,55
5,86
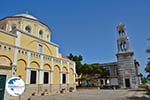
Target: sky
x,y
88,27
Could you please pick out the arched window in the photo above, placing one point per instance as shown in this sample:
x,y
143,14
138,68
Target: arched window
x,y
47,37
41,34
2,27
13,26
28,29
123,46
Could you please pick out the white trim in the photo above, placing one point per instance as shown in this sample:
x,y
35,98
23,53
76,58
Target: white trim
x,y
7,27
16,51
49,77
68,74
57,52
18,38
41,62
61,72
41,72
18,45
52,71
41,77
27,70
28,59
74,65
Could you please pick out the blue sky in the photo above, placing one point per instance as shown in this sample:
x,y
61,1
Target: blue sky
x,y
88,27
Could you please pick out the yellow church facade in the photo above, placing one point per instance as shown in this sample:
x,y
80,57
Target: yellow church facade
x,y
26,51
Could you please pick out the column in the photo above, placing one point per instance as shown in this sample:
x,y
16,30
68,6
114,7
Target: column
x,y
61,72
57,52
16,54
124,82
74,65
68,76
52,72
27,69
104,82
51,75
41,70
7,27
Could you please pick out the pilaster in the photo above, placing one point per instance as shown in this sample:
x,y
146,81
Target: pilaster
x,y
61,72
16,54
52,72
74,65
68,73
41,70
27,69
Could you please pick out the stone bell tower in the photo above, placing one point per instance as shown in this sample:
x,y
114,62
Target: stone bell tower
x,y
126,65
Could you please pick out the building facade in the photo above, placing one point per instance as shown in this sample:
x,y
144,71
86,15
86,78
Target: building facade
x,y
124,72
26,51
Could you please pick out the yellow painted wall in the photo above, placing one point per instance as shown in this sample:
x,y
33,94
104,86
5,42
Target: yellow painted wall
x,y
64,69
4,37
71,76
6,53
34,65
47,67
31,43
4,60
21,56
21,69
56,78
47,62
34,59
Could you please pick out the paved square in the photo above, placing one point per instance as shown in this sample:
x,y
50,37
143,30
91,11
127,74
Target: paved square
x,y
85,94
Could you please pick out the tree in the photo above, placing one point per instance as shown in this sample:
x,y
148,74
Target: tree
x,y
86,71
147,69
77,60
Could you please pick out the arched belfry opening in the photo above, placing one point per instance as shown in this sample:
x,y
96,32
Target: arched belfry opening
x,y
122,41
121,29
123,46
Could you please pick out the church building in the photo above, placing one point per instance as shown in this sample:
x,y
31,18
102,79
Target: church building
x,y
26,51
123,73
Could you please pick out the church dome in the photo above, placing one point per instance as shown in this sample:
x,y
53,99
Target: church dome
x,y
27,16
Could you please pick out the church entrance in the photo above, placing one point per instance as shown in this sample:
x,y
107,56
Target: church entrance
x,y
2,86
127,83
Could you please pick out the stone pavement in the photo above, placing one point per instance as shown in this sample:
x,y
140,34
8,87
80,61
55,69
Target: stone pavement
x,y
94,94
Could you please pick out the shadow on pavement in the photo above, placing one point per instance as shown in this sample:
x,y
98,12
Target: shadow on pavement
x,y
138,90
137,98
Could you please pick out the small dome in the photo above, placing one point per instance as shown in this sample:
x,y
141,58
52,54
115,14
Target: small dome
x,y
27,15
